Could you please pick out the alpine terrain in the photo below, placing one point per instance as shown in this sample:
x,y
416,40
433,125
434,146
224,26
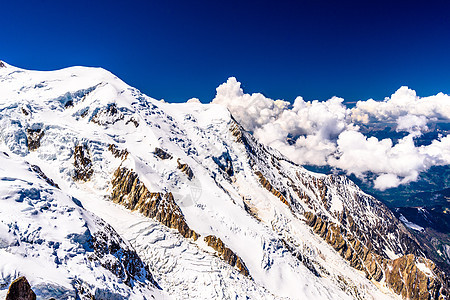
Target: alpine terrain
x,y
107,193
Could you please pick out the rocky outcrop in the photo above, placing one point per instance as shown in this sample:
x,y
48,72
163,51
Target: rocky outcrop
x,y
160,153
237,131
82,163
226,254
118,153
20,289
405,278
2,65
185,169
25,111
266,184
359,227
114,255
34,137
109,115
41,174
225,163
402,275
250,208
302,258
134,121
129,191
359,256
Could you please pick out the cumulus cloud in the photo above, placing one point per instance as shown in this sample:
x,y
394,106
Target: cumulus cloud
x,y
403,102
412,123
328,133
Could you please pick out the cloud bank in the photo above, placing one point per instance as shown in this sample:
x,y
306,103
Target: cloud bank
x,y
329,133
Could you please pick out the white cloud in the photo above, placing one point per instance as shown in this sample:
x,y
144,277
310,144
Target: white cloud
x,y
327,132
385,181
403,102
253,110
412,123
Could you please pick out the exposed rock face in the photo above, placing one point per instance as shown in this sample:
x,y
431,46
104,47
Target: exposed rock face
x,y
162,154
236,131
34,137
359,227
297,254
110,115
2,65
226,254
225,163
43,176
82,163
406,279
185,169
132,120
118,153
402,275
130,192
359,256
251,209
25,111
266,184
435,235
20,289
117,257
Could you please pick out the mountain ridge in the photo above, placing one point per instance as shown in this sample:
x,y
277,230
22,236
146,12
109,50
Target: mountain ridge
x,y
222,181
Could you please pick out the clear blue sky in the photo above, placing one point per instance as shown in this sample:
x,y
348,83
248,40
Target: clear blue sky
x,y
181,49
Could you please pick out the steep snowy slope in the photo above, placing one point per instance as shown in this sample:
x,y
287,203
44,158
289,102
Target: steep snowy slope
x,y
63,250
214,213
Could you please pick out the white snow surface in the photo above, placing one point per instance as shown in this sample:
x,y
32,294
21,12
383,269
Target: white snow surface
x,y
45,235
411,225
62,103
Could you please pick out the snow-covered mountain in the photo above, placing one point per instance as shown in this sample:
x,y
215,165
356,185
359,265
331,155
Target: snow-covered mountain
x,y
210,212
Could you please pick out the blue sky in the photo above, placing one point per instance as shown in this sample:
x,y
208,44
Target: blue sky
x,y
181,49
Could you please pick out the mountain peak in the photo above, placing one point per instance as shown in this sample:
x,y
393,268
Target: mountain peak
x,y
202,201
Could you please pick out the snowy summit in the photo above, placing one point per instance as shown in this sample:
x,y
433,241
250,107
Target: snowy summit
x,y
108,193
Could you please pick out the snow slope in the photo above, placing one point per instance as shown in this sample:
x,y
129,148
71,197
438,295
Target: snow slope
x,y
50,238
247,195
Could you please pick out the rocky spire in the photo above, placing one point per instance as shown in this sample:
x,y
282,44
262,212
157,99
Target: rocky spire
x,y
20,289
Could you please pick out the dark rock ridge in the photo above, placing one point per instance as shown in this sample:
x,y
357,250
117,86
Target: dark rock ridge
x,y
114,255
359,256
128,190
43,176
118,153
266,184
134,121
402,274
2,65
185,169
406,279
435,235
20,289
302,258
250,208
360,232
226,254
162,154
25,111
225,163
82,163
107,116
34,137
